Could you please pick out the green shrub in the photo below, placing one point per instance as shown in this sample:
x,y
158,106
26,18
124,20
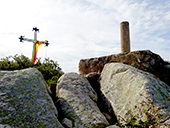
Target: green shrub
x,y
49,68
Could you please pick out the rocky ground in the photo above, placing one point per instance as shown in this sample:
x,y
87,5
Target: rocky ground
x,y
105,95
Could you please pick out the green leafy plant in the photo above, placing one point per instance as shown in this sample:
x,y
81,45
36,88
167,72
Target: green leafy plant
x,y
152,114
50,69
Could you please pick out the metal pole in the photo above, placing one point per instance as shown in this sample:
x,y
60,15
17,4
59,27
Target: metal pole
x,y
35,35
125,38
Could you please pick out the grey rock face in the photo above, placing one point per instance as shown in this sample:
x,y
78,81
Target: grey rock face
x,y
77,100
24,100
132,90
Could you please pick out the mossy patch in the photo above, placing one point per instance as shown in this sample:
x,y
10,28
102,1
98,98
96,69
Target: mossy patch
x,y
25,101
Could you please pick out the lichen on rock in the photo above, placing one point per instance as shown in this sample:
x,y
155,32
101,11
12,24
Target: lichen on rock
x,y
77,102
132,91
24,100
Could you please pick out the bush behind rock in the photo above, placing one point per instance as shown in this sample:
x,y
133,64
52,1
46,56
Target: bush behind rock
x,y
49,68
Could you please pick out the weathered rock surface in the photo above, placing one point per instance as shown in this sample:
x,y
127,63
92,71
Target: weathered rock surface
x,y
67,123
4,126
77,102
24,100
113,126
144,60
131,90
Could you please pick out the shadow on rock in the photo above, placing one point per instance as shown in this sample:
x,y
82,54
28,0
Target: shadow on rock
x,y
103,103
68,119
77,102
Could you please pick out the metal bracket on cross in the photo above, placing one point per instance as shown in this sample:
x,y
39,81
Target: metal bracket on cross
x,y
37,44
22,38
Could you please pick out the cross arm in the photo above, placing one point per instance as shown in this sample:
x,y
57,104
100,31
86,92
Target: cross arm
x,y
29,40
25,39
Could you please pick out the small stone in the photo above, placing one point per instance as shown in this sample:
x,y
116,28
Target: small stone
x,y
113,126
4,126
108,117
67,123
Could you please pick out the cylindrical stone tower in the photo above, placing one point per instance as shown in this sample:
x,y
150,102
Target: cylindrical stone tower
x,y
125,39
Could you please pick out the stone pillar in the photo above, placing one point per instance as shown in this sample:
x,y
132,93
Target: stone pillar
x,y
125,39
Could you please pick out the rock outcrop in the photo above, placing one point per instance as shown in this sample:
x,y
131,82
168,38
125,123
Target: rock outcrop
x,y
105,93
135,94
144,60
77,102
24,100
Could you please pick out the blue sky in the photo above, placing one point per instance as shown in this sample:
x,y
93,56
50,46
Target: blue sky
x,y
80,29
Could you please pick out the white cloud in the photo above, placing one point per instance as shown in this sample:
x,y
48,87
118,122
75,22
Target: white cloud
x,y
79,29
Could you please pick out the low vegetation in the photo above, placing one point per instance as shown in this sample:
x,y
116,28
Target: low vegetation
x,y
50,69
151,112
